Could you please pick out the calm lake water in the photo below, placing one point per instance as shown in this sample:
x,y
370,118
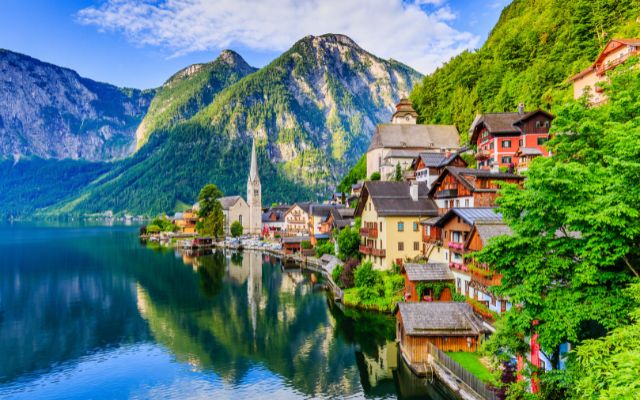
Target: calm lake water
x,y
89,312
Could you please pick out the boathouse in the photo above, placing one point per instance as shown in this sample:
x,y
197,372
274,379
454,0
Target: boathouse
x,y
450,326
435,280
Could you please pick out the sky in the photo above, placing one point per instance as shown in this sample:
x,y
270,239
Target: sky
x,y
140,43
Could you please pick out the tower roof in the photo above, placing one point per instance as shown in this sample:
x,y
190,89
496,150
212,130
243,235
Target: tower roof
x,y
404,108
253,172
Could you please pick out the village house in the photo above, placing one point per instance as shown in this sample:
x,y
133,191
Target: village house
x,y
499,136
338,219
296,220
432,249
435,279
390,215
468,187
273,222
429,165
616,52
234,208
482,278
186,221
318,214
450,326
402,140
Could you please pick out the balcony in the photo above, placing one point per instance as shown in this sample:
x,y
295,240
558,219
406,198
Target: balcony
x,y
447,193
369,232
484,276
372,251
482,155
456,246
458,266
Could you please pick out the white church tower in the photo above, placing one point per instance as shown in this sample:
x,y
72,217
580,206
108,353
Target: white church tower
x,y
254,195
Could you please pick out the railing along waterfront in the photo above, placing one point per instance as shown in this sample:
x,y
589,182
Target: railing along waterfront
x,y
484,390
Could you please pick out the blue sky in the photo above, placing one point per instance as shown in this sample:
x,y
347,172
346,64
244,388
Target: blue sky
x,y
140,44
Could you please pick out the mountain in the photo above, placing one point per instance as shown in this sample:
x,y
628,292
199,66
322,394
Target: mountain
x,y
528,56
51,112
189,90
312,112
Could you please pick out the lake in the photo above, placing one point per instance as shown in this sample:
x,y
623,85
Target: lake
x,y
90,312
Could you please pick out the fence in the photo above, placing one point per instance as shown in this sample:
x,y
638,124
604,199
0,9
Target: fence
x,y
461,373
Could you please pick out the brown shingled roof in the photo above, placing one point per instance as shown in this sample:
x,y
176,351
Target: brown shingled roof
x,y
408,136
439,318
428,272
393,199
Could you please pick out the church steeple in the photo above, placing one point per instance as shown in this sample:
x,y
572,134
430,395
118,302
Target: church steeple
x,y
254,194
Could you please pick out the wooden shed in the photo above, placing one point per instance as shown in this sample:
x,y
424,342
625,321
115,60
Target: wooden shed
x,y
450,326
435,275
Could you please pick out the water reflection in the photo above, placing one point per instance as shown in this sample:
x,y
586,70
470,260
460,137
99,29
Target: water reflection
x,y
218,323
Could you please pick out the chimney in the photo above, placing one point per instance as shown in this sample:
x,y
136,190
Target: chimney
x,y
521,108
413,190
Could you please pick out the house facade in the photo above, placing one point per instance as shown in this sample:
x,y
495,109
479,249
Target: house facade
x,y
616,52
296,220
469,188
390,215
401,141
435,279
429,165
498,136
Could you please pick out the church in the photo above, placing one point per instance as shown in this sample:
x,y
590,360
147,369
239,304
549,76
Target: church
x,y
249,212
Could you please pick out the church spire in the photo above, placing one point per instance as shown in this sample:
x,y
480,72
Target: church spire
x,y
253,172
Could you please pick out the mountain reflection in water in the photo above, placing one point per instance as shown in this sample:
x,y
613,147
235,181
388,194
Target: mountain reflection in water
x,y
91,312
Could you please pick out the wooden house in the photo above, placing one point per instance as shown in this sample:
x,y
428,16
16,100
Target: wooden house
x,y
468,187
498,136
297,219
435,276
186,221
450,326
429,165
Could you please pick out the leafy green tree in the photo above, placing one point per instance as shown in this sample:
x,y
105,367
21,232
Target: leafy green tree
x,y
576,239
153,229
207,199
398,174
375,176
348,243
236,229
324,247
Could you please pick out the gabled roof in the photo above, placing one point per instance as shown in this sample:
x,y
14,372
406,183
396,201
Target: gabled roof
x,y
428,272
229,201
439,319
305,206
487,229
438,159
503,122
410,136
528,151
470,215
605,50
394,199
342,217
462,175
321,210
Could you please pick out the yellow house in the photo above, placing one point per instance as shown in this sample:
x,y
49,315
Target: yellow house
x,y
390,214
614,53
186,221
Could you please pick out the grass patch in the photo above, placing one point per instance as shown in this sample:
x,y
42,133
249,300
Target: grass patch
x,y
471,362
392,284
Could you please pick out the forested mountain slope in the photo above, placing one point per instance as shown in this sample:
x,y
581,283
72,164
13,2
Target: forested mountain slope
x,y
530,53
312,112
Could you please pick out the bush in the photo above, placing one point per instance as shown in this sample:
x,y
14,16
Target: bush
x,y
366,276
153,229
236,229
375,176
324,247
335,274
305,244
347,279
348,243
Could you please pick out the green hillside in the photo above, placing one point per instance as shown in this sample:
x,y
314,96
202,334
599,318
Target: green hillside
x,y
312,112
530,53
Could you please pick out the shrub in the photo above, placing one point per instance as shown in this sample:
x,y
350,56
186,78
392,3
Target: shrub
x,y
347,276
153,229
236,229
366,276
335,275
375,176
305,244
348,243
324,247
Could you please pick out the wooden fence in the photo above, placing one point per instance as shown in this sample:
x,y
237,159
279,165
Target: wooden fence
x,y
484,390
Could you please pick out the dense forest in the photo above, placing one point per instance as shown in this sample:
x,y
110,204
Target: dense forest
x,y
530,53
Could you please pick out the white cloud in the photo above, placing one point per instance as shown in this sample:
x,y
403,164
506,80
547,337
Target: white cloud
x,y
387,28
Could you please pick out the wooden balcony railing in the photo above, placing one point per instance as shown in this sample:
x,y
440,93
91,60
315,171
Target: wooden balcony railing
x,y
458,266
447,193
365,249
456,245
369,232
372,251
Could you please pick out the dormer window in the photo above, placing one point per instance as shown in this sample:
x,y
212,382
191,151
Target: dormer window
x,y
547,124
538,124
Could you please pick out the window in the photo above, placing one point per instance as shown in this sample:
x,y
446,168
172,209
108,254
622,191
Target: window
x,y
240,218
547,124
506,160
542,140
538,124
466,202
400,226
416,246
457,203
491,146
506,144
415,227
400,246
493,301
520,142
380,226
456,237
